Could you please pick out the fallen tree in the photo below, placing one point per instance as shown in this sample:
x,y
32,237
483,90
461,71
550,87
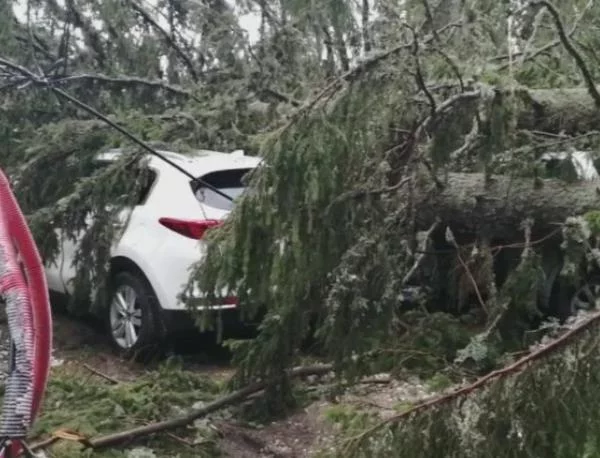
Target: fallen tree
x,y
351,264
566,111
497,209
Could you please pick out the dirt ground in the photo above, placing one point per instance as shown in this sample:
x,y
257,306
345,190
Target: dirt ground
x,y
301,434
80,343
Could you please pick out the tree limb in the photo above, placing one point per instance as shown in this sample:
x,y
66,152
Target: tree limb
x,y
422,253
127,80
167,38
281,97
123,80
419,74
571,49
358,193
225,401
517,366
553,44
106,377
363,66
91,35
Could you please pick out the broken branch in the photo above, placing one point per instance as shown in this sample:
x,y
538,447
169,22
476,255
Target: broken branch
x,y
225,401
169,40
100,374
422,252
127,80
545,350
571,49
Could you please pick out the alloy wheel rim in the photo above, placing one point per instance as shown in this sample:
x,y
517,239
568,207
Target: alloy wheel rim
x,y
125,317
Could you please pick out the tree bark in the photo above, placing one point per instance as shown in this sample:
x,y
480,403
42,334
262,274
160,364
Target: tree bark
x,y
570,111
497,210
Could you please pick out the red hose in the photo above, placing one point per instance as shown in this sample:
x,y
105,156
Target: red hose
x,y
36,320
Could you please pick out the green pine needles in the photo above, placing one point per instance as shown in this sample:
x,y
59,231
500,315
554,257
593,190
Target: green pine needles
x,y
541,405
62,187
311,238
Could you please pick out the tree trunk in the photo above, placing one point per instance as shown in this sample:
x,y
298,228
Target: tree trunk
x,y
570,111
468,207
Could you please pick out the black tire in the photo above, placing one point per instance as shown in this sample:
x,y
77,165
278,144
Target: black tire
x,y
144,316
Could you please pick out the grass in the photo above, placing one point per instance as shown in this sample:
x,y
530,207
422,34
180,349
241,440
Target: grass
x,y
83,402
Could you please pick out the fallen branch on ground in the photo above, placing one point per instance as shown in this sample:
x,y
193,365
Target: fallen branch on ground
x,y
166,425
545,350
108,378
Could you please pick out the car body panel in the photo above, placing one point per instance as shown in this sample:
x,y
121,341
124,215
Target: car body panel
x,y
164,257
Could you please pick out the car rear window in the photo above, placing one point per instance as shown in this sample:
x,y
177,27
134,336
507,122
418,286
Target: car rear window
x,y
229,182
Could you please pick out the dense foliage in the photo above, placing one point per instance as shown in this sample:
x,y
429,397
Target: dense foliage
x,y
361,111
350,164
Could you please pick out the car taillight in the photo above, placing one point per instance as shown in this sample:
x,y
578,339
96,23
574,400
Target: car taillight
x,y
193,229
230,300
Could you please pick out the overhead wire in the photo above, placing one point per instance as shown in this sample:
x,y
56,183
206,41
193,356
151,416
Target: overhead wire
x,y
48,84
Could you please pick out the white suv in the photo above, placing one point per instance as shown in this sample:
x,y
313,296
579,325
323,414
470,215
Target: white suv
x,y
150,262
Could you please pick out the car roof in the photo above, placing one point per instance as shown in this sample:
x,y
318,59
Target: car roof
x,y
197,162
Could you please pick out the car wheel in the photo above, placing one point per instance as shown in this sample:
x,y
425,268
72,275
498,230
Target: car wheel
x,y
587,297
131,314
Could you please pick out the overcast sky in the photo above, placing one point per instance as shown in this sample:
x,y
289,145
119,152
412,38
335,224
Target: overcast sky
x,y
250,22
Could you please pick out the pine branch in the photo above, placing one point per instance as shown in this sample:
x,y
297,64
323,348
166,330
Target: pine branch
x,y
419,74
454,67
43,81
129,81
429,17
167,38
360,193
480,383
375,60
362,67
470,143
446,105
91,35
40,44
124,80
564,38
166,425
37,46
281,97
547,47
422,250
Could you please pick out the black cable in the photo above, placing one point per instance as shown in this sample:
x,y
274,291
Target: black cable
x,y
47,83
134,139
